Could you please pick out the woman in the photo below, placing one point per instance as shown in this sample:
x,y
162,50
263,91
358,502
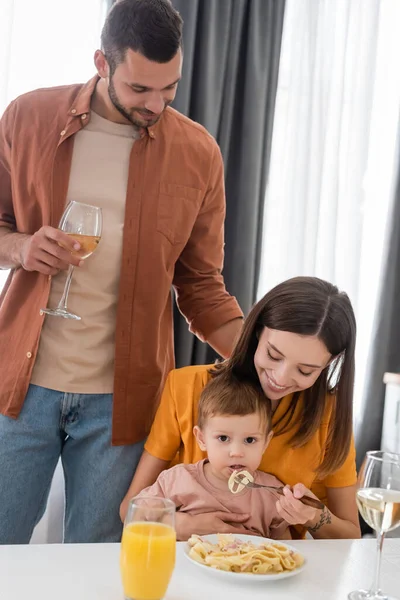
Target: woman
x,y
298,344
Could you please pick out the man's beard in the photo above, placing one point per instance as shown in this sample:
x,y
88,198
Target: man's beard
x,y
129,115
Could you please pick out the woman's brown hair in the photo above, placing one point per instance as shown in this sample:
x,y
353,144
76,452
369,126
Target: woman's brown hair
x,y
307,306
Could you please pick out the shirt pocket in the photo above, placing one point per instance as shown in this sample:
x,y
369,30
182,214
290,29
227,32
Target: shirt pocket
x,y
178,207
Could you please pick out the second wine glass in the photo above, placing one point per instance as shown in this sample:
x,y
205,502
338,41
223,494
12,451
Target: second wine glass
x,y
378,500
84,223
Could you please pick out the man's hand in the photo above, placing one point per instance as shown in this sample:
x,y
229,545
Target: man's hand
x,y
49,251
203,524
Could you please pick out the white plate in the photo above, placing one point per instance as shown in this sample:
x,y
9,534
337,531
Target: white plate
x,y
249,577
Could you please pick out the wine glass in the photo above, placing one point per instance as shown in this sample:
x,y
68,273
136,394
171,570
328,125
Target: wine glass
x,y
148,548
378,500
83,222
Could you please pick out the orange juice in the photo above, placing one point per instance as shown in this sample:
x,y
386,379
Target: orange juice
x,y
147,560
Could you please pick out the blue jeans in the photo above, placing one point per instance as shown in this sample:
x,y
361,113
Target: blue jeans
x,y
76,427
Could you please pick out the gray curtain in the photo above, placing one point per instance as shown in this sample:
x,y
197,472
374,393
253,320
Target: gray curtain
x,y
385,346
230,72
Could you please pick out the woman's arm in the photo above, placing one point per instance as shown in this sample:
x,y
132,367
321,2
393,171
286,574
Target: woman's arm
x,y
147,471
341,519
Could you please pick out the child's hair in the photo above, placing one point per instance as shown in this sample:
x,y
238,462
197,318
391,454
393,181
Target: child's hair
x,y
225,395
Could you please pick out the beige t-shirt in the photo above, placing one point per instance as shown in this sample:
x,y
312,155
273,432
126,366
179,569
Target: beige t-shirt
x,y
78,356
191,492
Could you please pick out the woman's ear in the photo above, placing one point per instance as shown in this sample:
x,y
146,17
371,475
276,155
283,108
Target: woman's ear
x,y
198,434
334,358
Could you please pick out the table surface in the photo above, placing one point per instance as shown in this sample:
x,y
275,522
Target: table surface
x,y
91,572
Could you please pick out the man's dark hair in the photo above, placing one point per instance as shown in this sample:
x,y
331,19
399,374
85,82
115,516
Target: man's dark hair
x,y
151,27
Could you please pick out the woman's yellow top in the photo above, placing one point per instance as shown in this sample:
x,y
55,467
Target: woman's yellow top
x,y
171,436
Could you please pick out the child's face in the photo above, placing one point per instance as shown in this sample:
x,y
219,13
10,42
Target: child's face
x,y
233,443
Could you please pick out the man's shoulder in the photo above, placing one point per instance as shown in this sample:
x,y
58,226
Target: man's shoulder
x,y
44,97
188,128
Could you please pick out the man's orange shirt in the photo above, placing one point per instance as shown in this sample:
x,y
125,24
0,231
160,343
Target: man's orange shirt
x,y
173,236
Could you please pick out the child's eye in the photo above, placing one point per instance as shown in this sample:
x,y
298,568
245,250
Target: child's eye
x,y
223,438
250,440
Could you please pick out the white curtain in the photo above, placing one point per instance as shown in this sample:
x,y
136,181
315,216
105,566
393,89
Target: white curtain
x,y
332,163
45,43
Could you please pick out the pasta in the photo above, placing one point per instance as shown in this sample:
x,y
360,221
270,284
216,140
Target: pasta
x,y
243,476
237,556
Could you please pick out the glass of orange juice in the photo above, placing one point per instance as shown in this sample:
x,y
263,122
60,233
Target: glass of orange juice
x,y
148,548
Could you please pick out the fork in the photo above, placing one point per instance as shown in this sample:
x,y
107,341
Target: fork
x,y
279,490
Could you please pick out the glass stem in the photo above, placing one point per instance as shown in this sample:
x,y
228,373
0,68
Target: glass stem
x,y
380,536
64,298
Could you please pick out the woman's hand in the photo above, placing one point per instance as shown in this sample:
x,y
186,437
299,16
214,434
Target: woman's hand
x,y
295,512
213,522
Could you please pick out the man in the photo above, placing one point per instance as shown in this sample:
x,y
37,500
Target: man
x,y
87,390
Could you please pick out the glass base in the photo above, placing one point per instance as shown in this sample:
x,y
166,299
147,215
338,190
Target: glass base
x,y
60,312
366,595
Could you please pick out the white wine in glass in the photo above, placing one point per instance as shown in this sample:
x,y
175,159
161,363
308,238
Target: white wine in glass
x,y
84,223
378,500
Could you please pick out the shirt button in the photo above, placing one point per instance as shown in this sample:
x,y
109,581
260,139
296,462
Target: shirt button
x,y
63,132
83,117
151,134
73,111
29,355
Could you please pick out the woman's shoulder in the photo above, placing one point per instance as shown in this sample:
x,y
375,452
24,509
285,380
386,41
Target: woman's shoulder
x,y
192,376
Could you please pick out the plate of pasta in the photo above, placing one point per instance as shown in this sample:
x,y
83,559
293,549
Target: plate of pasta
x,y
244,556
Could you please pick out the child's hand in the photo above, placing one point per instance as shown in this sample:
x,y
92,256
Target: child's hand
x,y
203,524
292,510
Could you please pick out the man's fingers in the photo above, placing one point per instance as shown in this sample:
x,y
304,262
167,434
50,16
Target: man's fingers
x,y
61,252
45,269
50,260
45,263
52,247
62,238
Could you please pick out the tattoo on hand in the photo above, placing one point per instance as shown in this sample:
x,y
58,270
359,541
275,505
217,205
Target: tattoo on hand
x,y
324,519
